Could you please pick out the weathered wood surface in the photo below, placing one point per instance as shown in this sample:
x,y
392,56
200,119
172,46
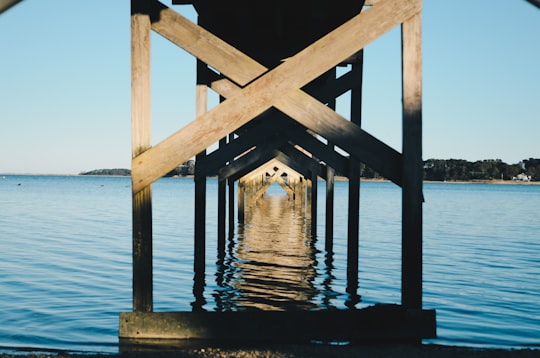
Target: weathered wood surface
x,y
265,131
353,207
412,164
274,88
199,245
141,141
379,323
6,4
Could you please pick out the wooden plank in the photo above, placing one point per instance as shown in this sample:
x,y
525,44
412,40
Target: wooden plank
x,y
375,323
6,4
141,138
142,251
331,125
299,161
412,163
332,158
199,252
201,43
222,215
267,89
275,176
241,201
329,212
140,142
248,167
314,202
249,159
230,185
265,131
353,218
222,207
358,143
331,89
256,134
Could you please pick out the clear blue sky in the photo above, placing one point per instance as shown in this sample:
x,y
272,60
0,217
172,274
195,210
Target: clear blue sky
x,y
65,84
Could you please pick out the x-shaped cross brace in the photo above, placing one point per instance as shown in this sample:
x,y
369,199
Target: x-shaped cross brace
x,y
280,87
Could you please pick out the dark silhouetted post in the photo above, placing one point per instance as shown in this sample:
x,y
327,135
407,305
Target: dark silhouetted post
x,y
412,163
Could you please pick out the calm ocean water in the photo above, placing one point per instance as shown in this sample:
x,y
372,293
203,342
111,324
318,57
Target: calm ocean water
x,y
65,259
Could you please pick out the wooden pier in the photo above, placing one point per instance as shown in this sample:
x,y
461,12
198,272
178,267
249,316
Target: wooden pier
x,y
275,72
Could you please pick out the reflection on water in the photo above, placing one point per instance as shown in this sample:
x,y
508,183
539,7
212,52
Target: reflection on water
x,y
65,258
271,264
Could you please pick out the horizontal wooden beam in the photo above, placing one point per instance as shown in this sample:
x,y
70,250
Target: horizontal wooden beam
x,y
375,323
266,91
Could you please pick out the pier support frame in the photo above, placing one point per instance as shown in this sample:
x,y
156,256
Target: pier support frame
x,y
250,89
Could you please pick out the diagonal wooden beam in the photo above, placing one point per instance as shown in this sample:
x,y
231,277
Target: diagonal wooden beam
x,y
6,4
253,159
201,43
266,130
314,115
257,134
535,3
267,90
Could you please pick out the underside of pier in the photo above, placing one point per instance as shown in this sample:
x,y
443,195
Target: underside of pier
x,y
275,67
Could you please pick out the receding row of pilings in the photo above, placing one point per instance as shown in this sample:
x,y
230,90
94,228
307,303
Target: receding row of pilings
x,y
252,187
277,111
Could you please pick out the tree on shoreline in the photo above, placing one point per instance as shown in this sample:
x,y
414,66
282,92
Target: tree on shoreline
x,y
434,170
489,169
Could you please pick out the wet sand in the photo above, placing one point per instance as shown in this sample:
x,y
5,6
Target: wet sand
x,y
302,351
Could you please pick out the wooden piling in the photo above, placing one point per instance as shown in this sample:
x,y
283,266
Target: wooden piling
x,y
222,214
411,280
241,201
141,141
329,212
230,184
313,205
201,106
353,217
330,173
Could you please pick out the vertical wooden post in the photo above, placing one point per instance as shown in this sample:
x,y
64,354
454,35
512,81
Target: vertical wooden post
x,y
329,212
222,210
313,207
241,200
140,142
411,291
231,207
308,199
329,225
304,184
200,180
353,222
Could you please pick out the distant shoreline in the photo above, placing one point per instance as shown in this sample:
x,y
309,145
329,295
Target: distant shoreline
x,y
496,182
337,178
